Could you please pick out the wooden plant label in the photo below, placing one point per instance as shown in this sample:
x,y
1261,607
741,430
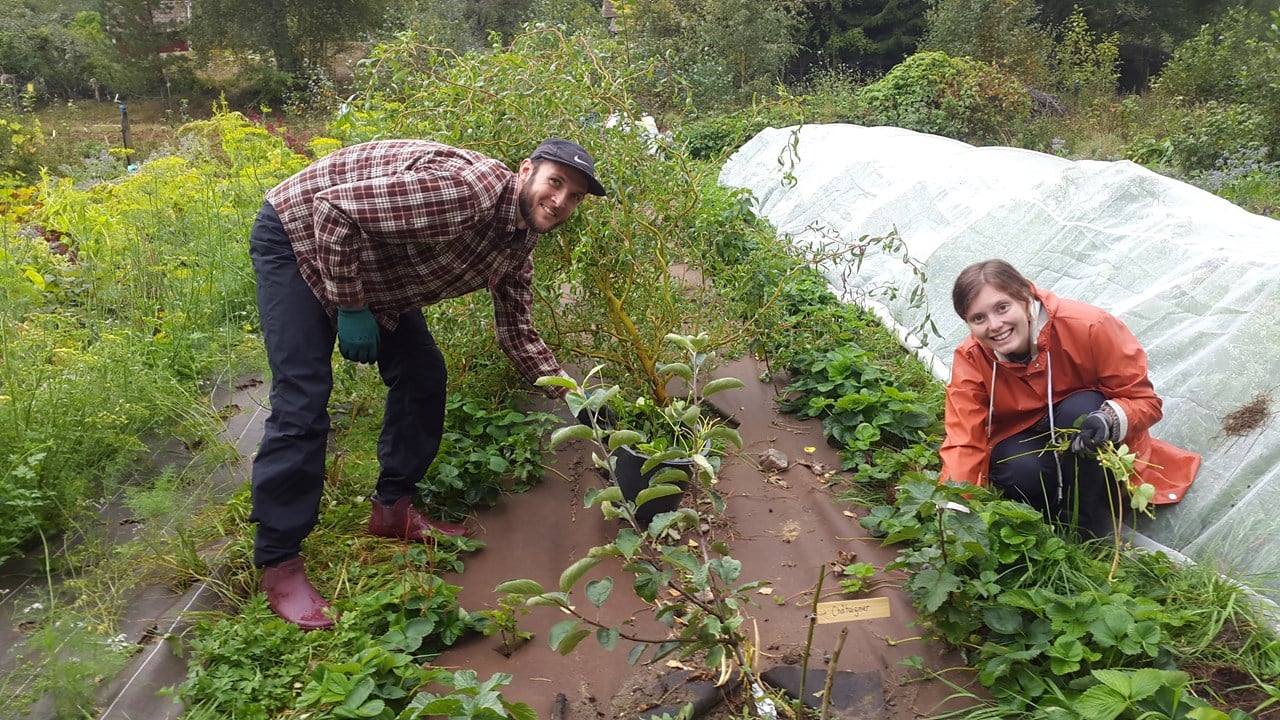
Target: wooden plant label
x,y
851,610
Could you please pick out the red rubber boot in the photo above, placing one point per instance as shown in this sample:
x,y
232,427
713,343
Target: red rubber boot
x,y
402,520
292,596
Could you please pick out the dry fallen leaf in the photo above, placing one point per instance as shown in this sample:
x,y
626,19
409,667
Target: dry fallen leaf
x,y
850,515
790,531
764,591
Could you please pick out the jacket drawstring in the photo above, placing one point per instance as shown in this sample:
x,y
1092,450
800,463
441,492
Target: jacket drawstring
x,y
991,401
1053,426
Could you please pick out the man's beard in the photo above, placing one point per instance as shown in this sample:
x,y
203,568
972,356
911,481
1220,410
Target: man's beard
x,y
525,203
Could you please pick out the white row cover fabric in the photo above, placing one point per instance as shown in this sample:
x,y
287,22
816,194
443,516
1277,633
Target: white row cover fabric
x,y
1196,278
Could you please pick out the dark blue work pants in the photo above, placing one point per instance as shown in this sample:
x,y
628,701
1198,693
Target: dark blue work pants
x,y
1085,499
289,469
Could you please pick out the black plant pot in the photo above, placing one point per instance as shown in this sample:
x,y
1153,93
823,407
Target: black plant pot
x,y
627,464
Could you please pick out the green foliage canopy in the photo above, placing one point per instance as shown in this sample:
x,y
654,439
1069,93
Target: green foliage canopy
x,y
1001,33
960,98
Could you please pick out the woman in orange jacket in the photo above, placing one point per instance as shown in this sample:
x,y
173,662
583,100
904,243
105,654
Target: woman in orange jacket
x,y
1035,363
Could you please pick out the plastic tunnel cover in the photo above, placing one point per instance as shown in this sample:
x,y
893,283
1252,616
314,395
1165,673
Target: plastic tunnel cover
x,y
1196,278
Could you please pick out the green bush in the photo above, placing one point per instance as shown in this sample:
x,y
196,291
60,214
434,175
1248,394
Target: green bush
x,y
1002,34
1216,130
956,97
21,141
1228,69
1224,61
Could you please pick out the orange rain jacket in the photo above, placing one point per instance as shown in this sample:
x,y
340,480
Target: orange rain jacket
x,y
989,399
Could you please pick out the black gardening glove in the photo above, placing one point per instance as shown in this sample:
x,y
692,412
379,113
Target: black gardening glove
x,y
605,417
1096,429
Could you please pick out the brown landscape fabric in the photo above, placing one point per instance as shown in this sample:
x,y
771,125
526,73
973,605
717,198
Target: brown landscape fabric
x,y
783,527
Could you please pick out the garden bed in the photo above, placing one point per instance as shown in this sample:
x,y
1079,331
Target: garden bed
x,y
782,525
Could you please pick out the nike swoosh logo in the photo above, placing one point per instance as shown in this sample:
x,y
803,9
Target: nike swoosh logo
x,y
579,160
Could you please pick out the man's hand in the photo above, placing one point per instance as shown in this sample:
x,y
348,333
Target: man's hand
x,y
605,417
357,334
1094,431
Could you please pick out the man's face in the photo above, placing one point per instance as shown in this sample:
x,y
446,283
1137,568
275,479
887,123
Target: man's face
x,y
549,194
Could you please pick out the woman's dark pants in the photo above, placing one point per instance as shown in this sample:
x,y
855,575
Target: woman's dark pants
x,y
1023,470
289,468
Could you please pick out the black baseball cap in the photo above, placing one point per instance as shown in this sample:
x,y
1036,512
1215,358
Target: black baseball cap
x,y
568,152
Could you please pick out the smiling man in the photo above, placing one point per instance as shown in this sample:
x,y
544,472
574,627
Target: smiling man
x,y
352,248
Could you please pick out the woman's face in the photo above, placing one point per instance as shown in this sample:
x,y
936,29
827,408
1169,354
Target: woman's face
x,y
1000,322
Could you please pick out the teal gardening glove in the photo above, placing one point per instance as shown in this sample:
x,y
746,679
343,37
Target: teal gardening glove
x,y
357,334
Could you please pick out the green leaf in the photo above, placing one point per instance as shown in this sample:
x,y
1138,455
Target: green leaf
x,y
1100,703
628,542
684,341
669,476
719,384
727,569
598,591
678,369
633,657
618,438
657,491
520,587
1207,713
565,636
612,494
725,434
1003,619
556,381
574,573
607,637
571,432
1145,682
934,587
551,599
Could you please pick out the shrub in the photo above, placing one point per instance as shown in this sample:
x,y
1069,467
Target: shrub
x,y
960,98
1221,62
21,141
1086,66
1215,130
1002,34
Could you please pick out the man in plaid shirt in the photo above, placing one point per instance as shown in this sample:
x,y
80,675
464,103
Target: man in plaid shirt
x,y
351,249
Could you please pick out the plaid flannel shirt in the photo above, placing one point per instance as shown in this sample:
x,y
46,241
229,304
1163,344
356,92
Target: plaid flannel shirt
x,y
401,224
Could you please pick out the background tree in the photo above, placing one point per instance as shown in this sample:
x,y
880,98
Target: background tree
x,y
1085,65
723,49
296,34
573,16
442,23
871,35
62,53
1147,30
500,16
1001,33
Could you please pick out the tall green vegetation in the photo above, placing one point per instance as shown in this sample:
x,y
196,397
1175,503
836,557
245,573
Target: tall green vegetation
x,y
61,54
1001,33
954,96
95,367
296,35
869,36
1085,66
725,50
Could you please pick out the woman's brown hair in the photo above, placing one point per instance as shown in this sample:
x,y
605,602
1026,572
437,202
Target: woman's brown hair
x,y
998,273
